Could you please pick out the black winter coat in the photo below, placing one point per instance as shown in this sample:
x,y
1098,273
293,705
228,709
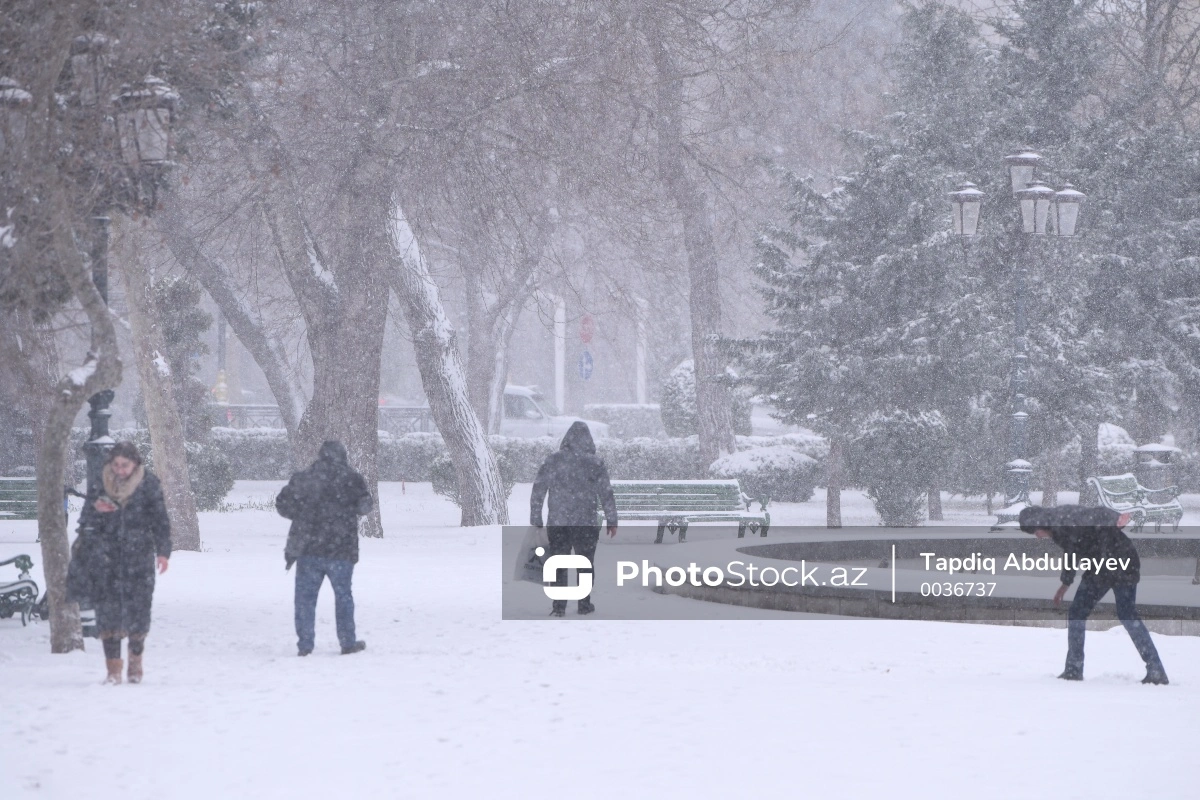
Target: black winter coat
x,y
112,563
1087,532
576,480
324,503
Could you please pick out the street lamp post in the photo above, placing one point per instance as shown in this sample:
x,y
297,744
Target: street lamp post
x,y
1042,209
141,116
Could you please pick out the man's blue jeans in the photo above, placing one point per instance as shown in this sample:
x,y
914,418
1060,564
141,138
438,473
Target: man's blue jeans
x,y
310,574
1086,596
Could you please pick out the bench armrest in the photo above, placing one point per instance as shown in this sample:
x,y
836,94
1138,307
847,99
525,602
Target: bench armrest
x,y
762,501
1173,491
23,563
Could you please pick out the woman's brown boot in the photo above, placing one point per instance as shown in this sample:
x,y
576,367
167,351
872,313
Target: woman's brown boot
x,y
114,669
135,668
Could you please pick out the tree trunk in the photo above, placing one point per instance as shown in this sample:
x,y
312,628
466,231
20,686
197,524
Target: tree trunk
x,y
490,326
162,412
835,476
345,311
29,356
345,401
505,326
1051,479
1089,462
713,401
935,504
100,371
987,503
481,349
488,340
479,488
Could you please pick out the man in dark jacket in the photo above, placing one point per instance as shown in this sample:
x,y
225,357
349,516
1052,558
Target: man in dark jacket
x,y
324,503
1095,534
577,481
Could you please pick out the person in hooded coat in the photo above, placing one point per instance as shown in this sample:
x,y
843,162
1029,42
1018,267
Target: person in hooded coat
x,y
324,503
577,482
1095,533
124,535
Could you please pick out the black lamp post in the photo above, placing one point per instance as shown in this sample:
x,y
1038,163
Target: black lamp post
x,y
1042,209
14,114
141,116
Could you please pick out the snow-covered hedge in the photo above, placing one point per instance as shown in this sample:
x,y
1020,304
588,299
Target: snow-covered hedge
x,y
651,459
409,457
628,420
257,454
264,454
779,472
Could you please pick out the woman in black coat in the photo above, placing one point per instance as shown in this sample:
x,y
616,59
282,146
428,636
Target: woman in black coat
x,y
124,535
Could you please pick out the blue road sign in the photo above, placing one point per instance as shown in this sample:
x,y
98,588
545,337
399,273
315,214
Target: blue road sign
x,y
585,365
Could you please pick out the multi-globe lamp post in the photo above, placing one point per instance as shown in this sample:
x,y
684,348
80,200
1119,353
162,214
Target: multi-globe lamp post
x,y
1043,211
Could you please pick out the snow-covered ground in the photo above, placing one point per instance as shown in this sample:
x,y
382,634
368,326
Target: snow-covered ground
x,y
449,701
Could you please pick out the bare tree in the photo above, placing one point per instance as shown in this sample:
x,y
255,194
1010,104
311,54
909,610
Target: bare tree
x,y
187,247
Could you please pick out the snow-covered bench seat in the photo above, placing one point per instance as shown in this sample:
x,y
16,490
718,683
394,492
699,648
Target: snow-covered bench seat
x,y
674,504
18,498
1123,493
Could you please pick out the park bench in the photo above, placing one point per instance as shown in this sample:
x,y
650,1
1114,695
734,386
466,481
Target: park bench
x,y
1123,493
21,596
18,498
674,504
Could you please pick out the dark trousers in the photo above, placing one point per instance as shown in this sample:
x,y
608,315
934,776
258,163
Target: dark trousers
x,y
311,572
1089,593
582,539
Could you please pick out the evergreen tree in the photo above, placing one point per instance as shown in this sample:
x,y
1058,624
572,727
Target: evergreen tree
x,y
879,310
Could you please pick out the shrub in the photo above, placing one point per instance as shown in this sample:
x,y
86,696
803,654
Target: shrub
x,y
678,406
210,471
258,454
896,458
628,420
409,457
652,459
524,456
779,472
445,480
1115,447
210,475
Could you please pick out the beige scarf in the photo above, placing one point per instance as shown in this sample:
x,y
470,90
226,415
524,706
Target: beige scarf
x,y
121,490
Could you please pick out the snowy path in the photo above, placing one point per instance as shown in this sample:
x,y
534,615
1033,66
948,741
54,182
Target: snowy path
x,y
450,702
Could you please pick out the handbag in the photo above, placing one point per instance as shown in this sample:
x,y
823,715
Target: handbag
x,y
81,570
529,563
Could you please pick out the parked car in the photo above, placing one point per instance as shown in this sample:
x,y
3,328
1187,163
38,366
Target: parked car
x,y
528,413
